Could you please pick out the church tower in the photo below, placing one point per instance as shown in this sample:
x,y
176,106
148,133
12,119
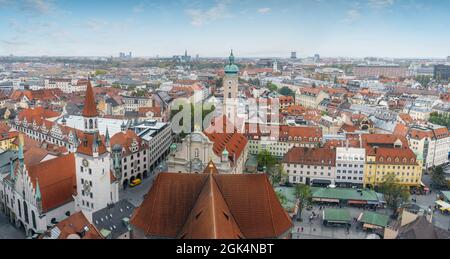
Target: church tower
x,y
230,89
95,185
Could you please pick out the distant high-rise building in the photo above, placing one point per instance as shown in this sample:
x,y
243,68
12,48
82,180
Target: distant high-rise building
x,y
316,58
275,66
442,72
448,59
123,55
293,55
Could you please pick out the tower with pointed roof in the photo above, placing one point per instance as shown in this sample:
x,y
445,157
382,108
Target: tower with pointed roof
x,y
230,88
96,184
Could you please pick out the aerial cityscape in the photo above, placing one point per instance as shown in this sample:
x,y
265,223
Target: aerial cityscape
x,y
224,119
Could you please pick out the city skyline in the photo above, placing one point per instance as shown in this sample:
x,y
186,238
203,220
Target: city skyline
x,y
342,28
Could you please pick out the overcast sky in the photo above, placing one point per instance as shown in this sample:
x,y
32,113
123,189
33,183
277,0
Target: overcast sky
x,y
256,28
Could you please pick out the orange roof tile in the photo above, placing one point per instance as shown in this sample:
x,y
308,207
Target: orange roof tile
x,y
211,206
90,108
125,140
311,156
87,142
57,186
74,225
224,135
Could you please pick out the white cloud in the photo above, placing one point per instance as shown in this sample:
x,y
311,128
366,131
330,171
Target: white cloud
x,y
96,25
352,16
38,6
200,17
139,8
380,4
264,10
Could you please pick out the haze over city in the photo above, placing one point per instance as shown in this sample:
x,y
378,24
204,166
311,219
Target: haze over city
x,y
225,119
266,28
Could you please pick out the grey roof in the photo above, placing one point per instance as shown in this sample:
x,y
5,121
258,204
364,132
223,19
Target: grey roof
x,y
5,159
113,217
73,109
112,101
422,229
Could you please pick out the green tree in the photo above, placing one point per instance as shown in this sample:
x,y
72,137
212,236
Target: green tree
x,y
278,174
423,80
304,196
272,87
394,193
286,91
268,163
282,198
438,178
440,119
99,72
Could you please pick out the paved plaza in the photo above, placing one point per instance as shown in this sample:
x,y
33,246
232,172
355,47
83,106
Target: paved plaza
x,y
316,230
136,194
8,231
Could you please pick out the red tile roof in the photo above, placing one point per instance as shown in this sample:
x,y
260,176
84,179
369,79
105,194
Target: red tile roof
x,y
74,225
211,206
125,140
87,142
37,114
396,156
400,130
224,135
57,181
311,156
90,108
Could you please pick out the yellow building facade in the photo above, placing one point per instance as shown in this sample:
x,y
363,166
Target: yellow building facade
x,y
402,163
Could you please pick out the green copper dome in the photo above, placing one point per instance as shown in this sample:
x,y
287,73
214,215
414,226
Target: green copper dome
x,y
225,152
231,68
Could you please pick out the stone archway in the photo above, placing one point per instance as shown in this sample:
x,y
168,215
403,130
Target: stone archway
x,y
145,175
125,184
21,226
139,176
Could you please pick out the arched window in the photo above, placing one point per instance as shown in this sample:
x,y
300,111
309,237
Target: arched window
x,y
20,209
85,124
91,124
25,212
197,153
33,219
96,123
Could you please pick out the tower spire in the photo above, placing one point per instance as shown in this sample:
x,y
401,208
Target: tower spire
x,y
231,57
90,109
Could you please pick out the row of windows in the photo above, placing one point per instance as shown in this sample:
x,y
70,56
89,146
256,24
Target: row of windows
x,y
302,166
349,171
82,170
307,173
350,165
87,204
393,167
349,178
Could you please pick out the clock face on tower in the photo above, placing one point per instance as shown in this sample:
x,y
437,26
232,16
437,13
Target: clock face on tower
x,y
85,163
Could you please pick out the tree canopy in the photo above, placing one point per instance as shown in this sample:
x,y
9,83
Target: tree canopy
x,y
440,119
286,91
394,193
